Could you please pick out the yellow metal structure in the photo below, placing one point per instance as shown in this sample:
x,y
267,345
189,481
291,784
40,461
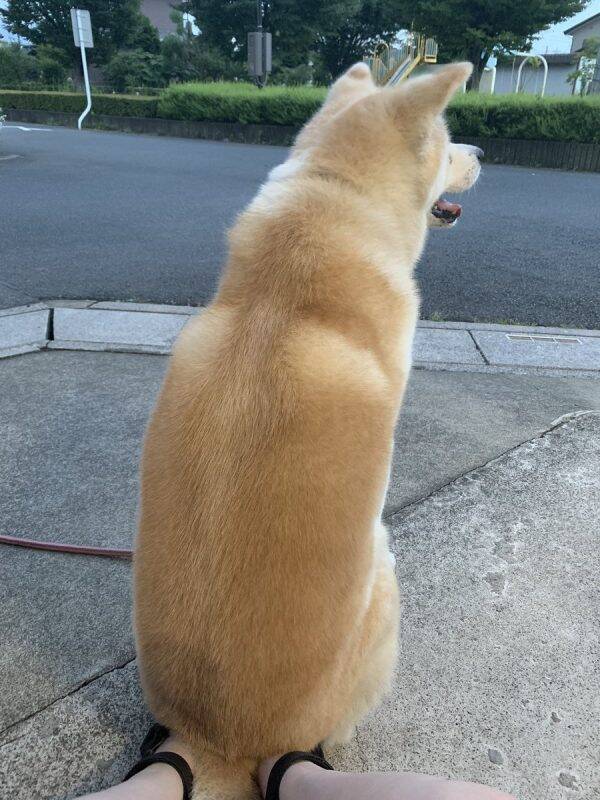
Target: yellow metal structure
x,y
391,64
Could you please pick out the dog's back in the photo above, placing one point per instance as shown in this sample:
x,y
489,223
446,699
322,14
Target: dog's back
x,y
259,501
266,601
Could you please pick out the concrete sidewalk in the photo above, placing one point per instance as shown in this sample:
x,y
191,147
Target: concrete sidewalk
x,y
148,328
493,507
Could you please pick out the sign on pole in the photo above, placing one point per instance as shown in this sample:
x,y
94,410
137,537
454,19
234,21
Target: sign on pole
x,y
82,36
82,27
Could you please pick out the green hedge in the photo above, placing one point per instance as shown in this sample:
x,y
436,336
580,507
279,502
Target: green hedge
x,y
71,102
568,119
240,102
470,115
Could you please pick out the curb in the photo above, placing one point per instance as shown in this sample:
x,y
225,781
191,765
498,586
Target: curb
x,y
120,327
580,156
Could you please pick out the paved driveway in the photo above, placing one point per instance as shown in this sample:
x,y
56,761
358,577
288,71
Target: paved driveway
x,y
121,217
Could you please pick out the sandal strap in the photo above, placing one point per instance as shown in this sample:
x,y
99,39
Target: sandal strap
x,y
284,763
154,738
174,760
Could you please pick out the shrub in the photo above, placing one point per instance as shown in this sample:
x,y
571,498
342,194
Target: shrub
x,y
208,64
471,115
568,119
292,76
129,69
17,66
240,102
71,102
52,66
185,59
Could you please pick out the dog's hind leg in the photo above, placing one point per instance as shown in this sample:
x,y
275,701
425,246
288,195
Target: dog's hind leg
x,y
377,652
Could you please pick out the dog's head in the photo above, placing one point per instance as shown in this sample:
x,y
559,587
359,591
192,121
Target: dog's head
x,y
392,142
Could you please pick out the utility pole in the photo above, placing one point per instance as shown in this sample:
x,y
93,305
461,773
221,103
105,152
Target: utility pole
x,y
259,50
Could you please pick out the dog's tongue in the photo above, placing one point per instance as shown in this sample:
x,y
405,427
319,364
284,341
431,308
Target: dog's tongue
x,y
451,208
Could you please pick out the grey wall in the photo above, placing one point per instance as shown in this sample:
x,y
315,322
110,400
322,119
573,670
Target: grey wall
x,y
532,79
158,12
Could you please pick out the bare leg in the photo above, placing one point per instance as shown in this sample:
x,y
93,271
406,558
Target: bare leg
x,y
305,781
156,782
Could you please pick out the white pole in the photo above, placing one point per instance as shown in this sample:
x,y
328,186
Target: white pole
x,y
88,92
545,63
520,70
522,64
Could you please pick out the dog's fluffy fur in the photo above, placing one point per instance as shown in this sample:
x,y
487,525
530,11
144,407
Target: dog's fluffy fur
x,y
266,605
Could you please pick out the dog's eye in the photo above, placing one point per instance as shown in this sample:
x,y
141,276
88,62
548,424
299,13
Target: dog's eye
x,y
450,159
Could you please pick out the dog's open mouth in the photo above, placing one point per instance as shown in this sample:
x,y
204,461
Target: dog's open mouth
x,y
446,212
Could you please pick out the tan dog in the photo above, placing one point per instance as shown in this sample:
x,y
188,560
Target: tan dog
x,y
266,604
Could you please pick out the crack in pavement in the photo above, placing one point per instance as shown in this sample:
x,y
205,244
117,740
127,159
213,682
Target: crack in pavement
x,y
56,700
557,423
563,420
478,348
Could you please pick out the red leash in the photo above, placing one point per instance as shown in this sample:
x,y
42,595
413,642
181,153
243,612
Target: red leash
x,y
59,547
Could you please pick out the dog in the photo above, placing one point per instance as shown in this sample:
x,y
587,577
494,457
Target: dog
x,y
266,603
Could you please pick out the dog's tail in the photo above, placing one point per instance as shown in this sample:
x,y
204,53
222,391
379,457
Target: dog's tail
x,y
218,779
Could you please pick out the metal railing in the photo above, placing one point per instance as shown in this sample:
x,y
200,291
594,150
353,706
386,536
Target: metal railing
x,y
393,63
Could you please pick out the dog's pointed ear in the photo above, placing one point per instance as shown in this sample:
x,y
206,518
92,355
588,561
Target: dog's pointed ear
x,y
429,95
355,81
355,84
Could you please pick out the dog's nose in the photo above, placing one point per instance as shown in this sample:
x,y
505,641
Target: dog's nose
x,y
478,152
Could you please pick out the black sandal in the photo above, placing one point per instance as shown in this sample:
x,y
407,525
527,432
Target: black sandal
x,y
154,738
281,766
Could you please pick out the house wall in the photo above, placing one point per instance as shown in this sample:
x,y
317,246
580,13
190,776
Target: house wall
x,y
158,12
587,31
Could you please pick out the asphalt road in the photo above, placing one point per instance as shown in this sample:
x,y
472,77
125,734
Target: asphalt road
x,y
114,216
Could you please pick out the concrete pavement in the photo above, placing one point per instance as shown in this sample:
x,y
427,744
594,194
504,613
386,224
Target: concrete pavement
x,y
499,671
147,328
111,215
493,508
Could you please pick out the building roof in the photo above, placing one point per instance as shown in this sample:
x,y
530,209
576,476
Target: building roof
x,y
560,58
553,59
581,24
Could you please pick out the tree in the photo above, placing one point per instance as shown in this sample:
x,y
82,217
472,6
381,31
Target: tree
x,y
474,29
335,33
52,64
129,70
17,66
295,25
358,34
144,36
115,24
586,67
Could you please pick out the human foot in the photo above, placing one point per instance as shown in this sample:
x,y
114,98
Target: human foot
x,y
306,781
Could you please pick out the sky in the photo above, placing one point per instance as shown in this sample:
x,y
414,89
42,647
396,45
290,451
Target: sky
x,y
554,41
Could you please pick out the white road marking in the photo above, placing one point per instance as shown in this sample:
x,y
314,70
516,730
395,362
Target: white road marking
x,y
23,128
8,158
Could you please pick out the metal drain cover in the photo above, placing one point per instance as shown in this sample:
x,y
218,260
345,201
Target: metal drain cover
x,y
542,337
